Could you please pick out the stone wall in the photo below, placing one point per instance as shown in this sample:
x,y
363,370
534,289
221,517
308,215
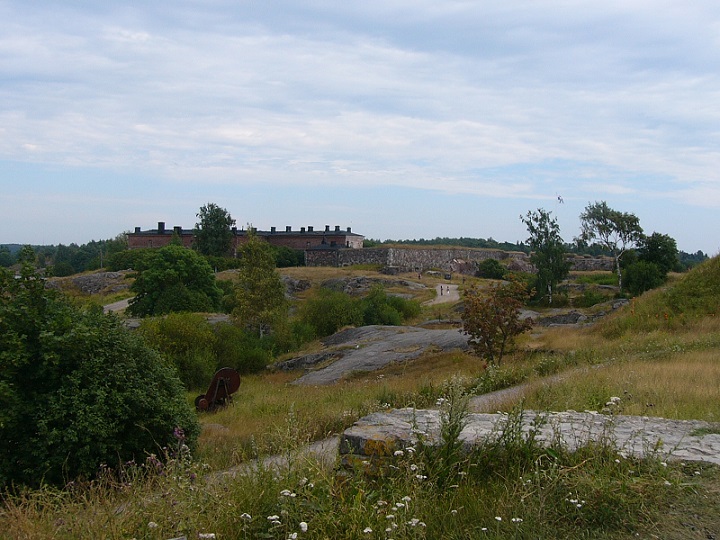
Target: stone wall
x,y
455,260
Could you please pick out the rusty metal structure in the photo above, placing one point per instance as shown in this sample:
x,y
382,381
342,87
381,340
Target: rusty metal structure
x,y
225,382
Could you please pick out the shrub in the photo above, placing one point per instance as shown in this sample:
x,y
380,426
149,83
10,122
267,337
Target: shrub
x,y
491,269
187,341
642,276
77,389
589,298
128,259
239,349
492,319
174,278
62,269
379,308
328,311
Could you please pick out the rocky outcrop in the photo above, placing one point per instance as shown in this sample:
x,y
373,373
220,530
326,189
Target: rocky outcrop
x,y
382,434
370,348
105,282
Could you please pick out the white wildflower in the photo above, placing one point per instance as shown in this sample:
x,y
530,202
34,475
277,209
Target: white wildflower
x,y
303,526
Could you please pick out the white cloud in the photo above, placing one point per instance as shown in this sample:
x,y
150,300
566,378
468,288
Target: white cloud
x,y
510,99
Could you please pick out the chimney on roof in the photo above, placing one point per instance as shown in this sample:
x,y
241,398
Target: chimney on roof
x,y
272,230
310,229
178,230
327,228
337,228
288,228
234,230
161,227
302,229
349,230
137,230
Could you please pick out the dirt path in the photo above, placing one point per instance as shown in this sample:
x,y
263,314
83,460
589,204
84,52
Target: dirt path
x,y
445,294
117,307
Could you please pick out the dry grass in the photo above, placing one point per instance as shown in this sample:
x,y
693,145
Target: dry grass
x,y
682,385
268,409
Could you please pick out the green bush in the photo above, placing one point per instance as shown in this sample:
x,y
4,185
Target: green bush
x,y
589,298
173,279
239,349
62,269
187,341
642,276
491,269
128,259
328,311
77,389
379,308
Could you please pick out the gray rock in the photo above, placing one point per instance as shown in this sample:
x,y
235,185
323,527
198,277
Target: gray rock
x,y
382,433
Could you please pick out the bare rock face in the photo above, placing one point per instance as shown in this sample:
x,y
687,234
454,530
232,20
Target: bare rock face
x,y
108,282
382,434
293,286
370,348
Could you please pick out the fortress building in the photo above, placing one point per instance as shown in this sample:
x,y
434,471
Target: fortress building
x,y
303,239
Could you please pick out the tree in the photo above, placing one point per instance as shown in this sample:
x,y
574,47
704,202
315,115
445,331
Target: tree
x,y
492,319
642,276
6,258
174,279
615,231
259,289
548,251
661,250
213,233
77,389
491,269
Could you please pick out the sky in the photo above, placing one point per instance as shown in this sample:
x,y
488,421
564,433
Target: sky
x,y
401,119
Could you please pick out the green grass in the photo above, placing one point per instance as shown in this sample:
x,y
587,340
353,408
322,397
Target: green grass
x,y
658,365
595,278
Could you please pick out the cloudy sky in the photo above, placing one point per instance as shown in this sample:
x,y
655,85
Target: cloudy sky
x,y
398,118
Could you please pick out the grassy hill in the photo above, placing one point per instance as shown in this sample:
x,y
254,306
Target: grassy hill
x,y
660,355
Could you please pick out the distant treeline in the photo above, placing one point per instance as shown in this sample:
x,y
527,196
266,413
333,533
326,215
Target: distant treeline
x,y
65,260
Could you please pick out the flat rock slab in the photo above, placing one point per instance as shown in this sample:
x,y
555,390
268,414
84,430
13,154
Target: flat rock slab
x,y
381,434
373,347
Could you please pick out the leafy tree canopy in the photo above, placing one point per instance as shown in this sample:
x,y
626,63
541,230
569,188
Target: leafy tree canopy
x,y
548,255
213,233
260,291
174,279
659,249
492,319
615,231
77,389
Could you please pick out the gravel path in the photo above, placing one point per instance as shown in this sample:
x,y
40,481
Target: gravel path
x,y
445,294
117,307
